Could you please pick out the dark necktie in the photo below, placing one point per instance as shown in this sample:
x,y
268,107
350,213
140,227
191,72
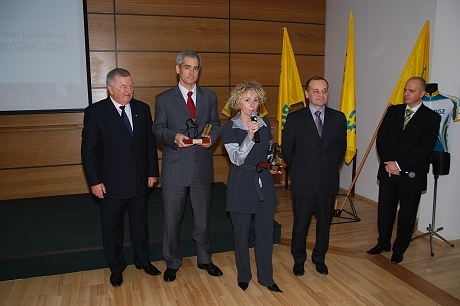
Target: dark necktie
x,y
126,120
318,122
407,117
190,104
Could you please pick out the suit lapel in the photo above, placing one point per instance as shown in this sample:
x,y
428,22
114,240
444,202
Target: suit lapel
x,y
135,113
179,99
311,126
415,119
113,113
199,103
328,121
116,118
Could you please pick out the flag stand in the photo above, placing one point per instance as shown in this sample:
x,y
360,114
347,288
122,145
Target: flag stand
x,y
350,216
353,215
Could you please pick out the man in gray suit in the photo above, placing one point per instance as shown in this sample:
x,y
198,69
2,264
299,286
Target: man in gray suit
x,y
182,113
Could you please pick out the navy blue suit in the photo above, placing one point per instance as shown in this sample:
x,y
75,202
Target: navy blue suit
x,y
123,164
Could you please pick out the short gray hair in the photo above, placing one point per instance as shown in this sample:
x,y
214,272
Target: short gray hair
x,y
187,53
110,79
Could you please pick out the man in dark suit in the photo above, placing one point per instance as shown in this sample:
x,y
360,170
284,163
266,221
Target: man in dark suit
x,y
405,141
120,161
182,113
313,146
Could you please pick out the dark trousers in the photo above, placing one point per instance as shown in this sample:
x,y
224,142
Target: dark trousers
x,y
263,248
174,200
390,195
303,207
112,221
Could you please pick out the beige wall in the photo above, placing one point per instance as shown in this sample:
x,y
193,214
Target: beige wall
x,y
237,40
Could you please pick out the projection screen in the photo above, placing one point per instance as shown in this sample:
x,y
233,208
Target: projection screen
x,y
43,56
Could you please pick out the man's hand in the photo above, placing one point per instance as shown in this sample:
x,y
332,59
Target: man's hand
x,y
392,168
180,141
98,190
208,144
152,180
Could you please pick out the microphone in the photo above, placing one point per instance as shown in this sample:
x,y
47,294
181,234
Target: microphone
x,y
409,174
253,116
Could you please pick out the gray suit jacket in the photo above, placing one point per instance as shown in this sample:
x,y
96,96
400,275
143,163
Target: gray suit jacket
x,y
171,115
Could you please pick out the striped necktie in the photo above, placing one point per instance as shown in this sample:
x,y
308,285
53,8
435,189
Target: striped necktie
x,y
407,117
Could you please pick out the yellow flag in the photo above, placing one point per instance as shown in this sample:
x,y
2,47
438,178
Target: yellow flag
x,y
417,64
290,88
226,111
348,98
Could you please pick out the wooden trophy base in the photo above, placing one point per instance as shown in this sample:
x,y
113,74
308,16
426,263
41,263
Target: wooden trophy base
x,y
197,140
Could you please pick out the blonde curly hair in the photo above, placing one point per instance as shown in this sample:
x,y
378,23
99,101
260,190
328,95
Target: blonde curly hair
x,y
238,91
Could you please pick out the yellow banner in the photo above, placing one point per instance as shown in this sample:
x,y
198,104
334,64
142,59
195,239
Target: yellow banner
x,y
290,88
417,64
348,98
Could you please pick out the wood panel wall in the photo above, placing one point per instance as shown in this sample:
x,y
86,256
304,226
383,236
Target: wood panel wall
x,y
237,40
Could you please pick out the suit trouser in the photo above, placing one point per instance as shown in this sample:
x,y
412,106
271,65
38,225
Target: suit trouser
x,y
263,248
174,200
389,197
112,221
303,207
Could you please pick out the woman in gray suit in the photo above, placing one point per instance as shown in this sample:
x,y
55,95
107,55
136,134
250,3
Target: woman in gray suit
x,y
250,191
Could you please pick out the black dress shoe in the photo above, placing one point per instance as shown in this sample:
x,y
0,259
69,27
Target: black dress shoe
x,y
212,269
170,274
274,288
396,258
298,269
243,285
116,279
377,250
320,267
149,269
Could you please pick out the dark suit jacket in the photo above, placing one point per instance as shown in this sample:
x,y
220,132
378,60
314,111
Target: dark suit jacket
x,y
314,161
171,114
410,148
111,156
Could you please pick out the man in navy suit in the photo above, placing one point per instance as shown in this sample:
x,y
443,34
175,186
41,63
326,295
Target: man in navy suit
x,y
313,146
182,113
120,160
405,142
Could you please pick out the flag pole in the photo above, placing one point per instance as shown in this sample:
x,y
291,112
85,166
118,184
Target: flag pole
x,y
369,147
417,65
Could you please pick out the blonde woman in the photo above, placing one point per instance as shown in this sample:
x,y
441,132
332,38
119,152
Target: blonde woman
x,y
250,192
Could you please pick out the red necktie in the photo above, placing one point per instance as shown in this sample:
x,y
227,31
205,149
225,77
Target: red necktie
x,y
190,104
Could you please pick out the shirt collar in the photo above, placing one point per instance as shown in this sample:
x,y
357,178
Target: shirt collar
x,y
415,108
313,110
185,91
238,123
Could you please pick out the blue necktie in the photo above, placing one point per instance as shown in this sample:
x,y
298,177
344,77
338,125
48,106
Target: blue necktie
x,y
126,120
